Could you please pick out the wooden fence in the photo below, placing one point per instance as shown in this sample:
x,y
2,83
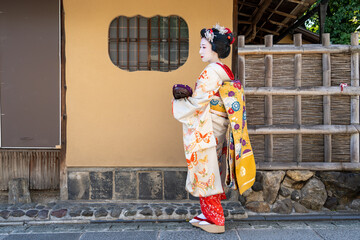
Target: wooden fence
x,y
302,103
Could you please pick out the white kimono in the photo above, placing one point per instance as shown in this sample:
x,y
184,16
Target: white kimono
x,y
204,132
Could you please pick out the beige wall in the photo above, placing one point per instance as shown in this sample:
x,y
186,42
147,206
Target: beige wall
x,y
120,118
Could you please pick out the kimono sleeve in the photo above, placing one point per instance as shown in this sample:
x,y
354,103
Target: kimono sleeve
x,y
207,85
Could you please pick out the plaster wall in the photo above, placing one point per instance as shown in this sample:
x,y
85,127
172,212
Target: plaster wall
x,y
120,118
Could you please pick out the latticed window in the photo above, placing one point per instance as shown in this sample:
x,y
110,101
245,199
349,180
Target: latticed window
x,y
152,44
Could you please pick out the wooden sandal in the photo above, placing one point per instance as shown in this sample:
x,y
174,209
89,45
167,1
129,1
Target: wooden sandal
x,y
196,224
212,228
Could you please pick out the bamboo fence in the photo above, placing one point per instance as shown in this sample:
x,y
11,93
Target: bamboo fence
x,y
302,103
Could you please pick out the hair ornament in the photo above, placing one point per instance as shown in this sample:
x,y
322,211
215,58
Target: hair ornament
x,y
209,35
222,30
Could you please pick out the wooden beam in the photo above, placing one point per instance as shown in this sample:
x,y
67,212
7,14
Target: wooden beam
x,y
278,23
354,140
299,2
303,129
244,15
305,49
313,166
268,31
241,60
258,16
326,69
303,91
283,14
269,141
244,22
297,112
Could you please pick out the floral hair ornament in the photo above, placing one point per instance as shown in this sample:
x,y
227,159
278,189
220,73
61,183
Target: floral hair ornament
x,y
209,35
222,30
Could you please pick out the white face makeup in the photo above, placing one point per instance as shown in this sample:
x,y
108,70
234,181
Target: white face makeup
x,y
206,53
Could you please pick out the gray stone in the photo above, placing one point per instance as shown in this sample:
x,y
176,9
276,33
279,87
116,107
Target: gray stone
x,y
125,184
313,194
32,213
300,175
158,212
242,199
238,211
101,212
288,234
169,211
5,214
174,182
125,235
40,206
129,212
147,212
271,184
226,213
193,211
284,207
150,185
78,185
257,187
181,211
17,213
295,195
59,213
76,212
284,191
355,204
101,185
255,197
42,236
331,203
87,213
287,182
27,206
258,207
300,208
341,184
115,212
43,214
18,191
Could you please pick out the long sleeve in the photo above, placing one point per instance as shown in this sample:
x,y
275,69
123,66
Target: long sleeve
x,y
194,112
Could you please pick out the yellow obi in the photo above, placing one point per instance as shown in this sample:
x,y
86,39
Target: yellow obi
x,y
217,106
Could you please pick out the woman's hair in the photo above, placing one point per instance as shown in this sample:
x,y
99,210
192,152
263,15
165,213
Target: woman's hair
x,y
220,39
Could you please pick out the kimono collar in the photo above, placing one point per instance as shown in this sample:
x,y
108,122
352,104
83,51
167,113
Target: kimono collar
x,y
219,68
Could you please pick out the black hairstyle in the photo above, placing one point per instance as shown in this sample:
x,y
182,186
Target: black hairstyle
x,y
221,42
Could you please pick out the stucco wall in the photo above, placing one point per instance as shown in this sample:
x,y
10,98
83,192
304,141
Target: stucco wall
x,y
120,118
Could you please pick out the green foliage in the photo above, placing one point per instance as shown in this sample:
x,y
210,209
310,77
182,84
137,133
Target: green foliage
x,y
342,19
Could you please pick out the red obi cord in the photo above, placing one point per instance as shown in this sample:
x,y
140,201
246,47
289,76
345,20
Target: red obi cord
x,y
212,209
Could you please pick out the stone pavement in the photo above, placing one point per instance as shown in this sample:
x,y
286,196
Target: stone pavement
x,y
239,229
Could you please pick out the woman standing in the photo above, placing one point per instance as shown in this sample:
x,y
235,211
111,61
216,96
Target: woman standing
x,y
205,120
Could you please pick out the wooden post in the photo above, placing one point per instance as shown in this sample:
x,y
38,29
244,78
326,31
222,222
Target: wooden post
x,y
241,58
354,141
269,145
326,68
297,112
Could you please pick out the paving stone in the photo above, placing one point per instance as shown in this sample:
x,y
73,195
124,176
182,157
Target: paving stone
x,y
187,205
238,211
181,211
101,184
97,227
197,234
5,214
147,212
169,211
150,185
115,212
59,213
27,206
126,235
43,214
233,204
78,185
32,213
87,213
125,184
335,234
45,236
288,234
17,213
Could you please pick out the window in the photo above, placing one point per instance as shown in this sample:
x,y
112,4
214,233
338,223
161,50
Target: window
x,y
148,44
